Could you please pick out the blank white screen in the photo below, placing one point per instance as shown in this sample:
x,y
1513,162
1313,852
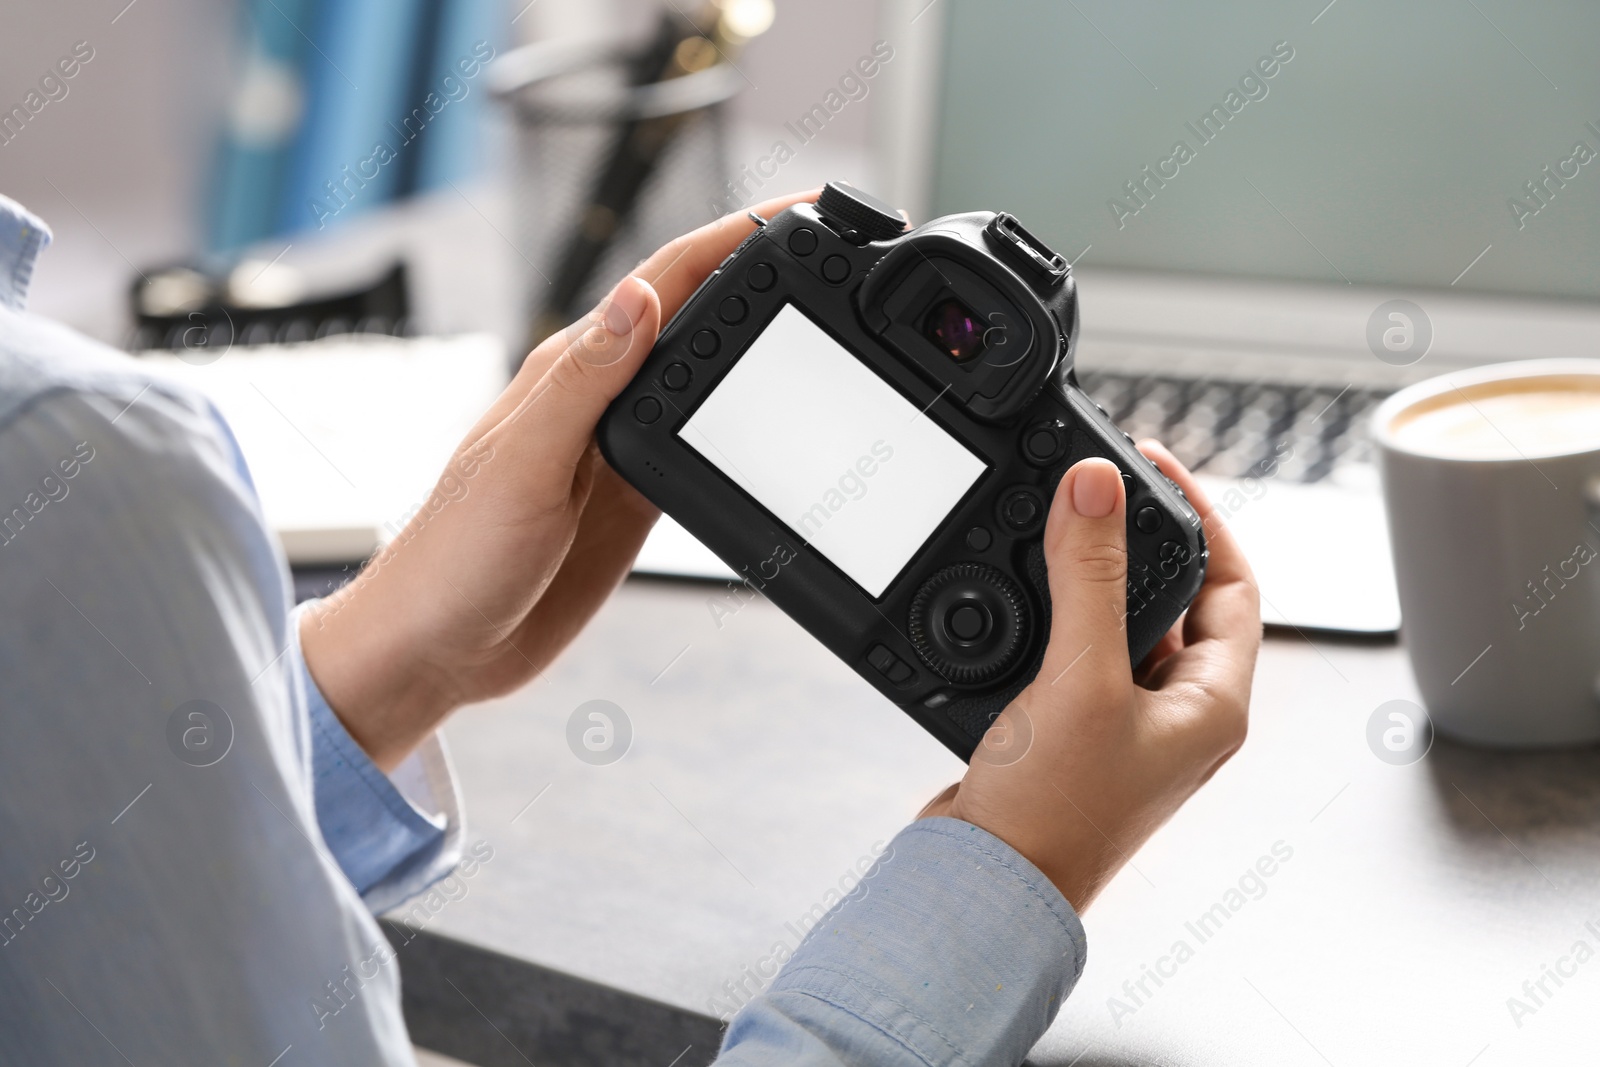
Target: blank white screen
x,y
821,441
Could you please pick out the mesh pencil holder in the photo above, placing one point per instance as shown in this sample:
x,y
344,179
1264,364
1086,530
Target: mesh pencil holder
x,y
572,102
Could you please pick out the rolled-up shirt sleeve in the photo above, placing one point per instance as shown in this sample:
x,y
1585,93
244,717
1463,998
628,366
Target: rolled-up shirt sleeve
x,y
393,835
954,949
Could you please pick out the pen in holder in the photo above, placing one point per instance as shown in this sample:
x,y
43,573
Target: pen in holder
x,y
617,151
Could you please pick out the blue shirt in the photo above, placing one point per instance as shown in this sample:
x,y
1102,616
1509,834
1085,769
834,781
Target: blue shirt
x,y
195,847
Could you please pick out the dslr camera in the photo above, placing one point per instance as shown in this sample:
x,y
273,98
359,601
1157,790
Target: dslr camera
x,y
867,422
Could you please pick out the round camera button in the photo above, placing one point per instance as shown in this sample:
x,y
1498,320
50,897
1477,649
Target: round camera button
x,y
967,622
1021,510
676,376
733,310
979,539
647,410
1044,444
1148,520
705,343
803,241
761,277
835,269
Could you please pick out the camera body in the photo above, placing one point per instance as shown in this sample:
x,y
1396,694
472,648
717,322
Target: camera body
x,y
868,424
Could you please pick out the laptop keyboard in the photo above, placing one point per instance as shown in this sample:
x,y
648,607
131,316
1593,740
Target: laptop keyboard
x,y
1230,429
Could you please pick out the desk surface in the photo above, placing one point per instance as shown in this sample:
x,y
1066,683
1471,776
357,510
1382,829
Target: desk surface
x,y
1416,901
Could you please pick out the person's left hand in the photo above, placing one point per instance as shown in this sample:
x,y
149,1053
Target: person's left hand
x,y
526,534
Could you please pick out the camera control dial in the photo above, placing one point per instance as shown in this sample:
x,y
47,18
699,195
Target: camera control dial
x,y
969,622
854,210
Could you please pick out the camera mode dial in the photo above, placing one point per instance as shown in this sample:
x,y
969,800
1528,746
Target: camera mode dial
x,y
969,623
854,210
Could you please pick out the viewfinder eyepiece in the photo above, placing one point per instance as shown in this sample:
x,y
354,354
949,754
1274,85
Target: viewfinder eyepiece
x,y
954,330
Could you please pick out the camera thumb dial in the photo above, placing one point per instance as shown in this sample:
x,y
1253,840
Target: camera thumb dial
x,y
969,622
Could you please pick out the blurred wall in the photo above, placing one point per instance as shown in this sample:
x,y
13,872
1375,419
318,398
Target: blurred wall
x,y
118,166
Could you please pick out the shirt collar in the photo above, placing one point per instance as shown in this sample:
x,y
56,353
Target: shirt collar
x,y
23,236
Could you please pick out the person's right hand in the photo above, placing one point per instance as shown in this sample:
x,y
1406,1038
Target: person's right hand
x,y
1113,754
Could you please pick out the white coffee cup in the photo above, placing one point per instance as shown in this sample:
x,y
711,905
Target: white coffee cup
x,y
1491,478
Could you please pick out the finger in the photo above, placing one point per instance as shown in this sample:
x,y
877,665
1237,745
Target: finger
x,y
615,521
552,426
677,270
674,271
1086,551
1226,613
537,365
1226,559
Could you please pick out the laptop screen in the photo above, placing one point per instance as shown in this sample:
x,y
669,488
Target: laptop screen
x,y
1418,144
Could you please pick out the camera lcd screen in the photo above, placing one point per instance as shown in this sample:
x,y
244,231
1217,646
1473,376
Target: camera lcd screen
x,y
818,439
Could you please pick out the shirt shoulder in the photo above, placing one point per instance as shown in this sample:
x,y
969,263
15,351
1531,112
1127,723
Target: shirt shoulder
x,y
45,364
40,358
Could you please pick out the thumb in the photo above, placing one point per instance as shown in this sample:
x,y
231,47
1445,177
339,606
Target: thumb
x,y
1086,550
601,352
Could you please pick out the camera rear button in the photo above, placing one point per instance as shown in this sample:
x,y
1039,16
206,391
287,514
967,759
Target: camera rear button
x,y
979,539
889,665
733,310
647,410
676,376
705,343
835,269
803,241
1148,520
967,622
1021,510
761,277
1044,444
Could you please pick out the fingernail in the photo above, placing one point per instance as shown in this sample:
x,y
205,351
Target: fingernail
x,y
1094,488
625,306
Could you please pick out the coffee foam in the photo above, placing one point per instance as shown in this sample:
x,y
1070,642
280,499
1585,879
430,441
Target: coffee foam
x,y
1517,418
